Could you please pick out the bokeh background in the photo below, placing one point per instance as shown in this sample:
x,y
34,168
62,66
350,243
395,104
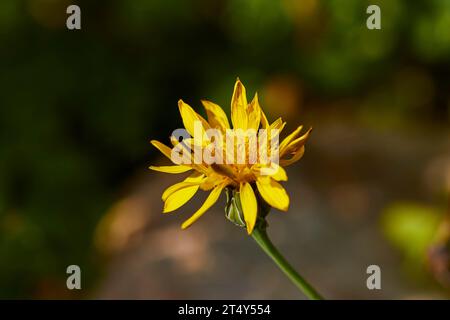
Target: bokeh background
x,y
78,109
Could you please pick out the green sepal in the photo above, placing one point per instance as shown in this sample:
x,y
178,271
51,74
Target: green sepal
x,y
233,208
234,212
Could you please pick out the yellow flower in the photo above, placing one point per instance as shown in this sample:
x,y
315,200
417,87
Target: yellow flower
x,y
249,178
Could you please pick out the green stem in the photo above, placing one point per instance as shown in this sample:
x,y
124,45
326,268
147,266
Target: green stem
x,y
261,237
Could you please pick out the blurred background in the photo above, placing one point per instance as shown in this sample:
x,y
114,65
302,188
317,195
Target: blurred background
x,y
78,109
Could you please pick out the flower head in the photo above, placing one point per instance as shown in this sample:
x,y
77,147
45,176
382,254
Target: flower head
x,y
245,159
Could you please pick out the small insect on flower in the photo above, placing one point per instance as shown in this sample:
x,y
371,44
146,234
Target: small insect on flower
x,y
246,160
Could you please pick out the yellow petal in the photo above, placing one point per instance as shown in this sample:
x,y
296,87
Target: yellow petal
x,y
270,170
239,116
264,122
190,117
296,145
299,142
277,124
212,198
165,150
297,156
179,198
171,169
254,113
249,205
216,116
280,173
194,179
269,136
273,193
289,138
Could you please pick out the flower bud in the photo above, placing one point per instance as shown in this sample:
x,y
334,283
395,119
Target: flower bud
x,y
233,208
234,212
